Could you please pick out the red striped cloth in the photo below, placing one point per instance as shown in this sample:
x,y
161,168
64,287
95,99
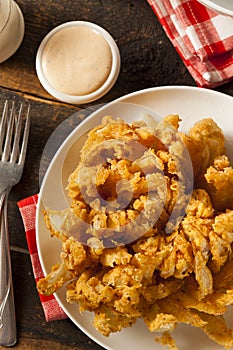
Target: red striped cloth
x,y
203,39
27,207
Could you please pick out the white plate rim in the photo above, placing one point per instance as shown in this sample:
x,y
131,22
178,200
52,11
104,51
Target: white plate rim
x,y
216,7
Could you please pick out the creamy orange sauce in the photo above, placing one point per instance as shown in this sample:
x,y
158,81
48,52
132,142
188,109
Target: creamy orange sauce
x,y
77,60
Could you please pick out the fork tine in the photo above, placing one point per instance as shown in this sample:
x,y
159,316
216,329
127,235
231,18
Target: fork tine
x,y
18,126
22,155
9,132
2,126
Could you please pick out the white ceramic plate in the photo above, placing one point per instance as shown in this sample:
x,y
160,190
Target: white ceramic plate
x,y
192,104
225,7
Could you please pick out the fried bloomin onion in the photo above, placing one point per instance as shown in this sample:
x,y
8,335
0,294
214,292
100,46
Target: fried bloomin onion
x,y
142,238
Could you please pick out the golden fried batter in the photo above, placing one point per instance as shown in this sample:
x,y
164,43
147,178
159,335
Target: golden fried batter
x,y
218,181
139,241
205,141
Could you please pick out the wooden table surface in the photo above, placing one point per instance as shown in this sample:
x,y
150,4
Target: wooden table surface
x,y
148,60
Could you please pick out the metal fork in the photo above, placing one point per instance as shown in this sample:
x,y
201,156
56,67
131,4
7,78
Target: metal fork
x,y
13,146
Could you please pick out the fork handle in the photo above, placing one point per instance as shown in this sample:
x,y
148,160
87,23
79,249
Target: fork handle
x,y
7,308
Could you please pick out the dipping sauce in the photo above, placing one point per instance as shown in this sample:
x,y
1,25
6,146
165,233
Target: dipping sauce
x,y
77,60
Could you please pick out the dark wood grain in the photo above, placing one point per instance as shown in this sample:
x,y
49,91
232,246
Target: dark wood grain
x,y
148,60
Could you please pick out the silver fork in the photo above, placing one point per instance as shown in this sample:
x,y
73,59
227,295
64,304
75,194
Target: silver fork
x,y
13,146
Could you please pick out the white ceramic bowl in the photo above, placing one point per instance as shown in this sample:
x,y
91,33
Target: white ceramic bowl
x,y
192,104
224,7
11,28
89,97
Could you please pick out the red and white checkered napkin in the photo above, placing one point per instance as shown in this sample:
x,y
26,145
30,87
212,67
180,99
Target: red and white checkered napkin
x,y
203,39
27,207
